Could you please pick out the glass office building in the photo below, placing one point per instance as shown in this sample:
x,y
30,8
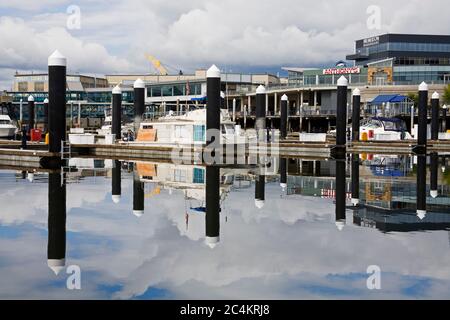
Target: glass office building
x,y
408,59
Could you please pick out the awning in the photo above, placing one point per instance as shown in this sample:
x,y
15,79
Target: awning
x,y
391,98
198,99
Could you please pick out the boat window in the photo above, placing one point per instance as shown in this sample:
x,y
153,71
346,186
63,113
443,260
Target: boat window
x,y
147,127
388,125
4,122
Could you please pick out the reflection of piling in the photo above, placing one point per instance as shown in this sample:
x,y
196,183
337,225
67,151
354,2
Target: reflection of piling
x,y
56,251
212,218
31,113
138,195
116,127
434,167
283,173
435,117
421,186
260,113
116,182
260,190
284,116
139,104
355,180
340,194
57,100
356,114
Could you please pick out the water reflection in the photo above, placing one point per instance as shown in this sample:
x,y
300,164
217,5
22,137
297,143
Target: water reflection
x,y
373,200
56,250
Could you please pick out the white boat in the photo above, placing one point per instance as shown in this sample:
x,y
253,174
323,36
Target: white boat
x,y
7,127
386,129
189,128
107,128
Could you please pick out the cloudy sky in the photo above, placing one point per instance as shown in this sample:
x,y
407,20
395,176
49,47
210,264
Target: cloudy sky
x,y
114,35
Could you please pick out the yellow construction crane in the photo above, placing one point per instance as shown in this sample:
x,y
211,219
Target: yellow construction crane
x,y
157,65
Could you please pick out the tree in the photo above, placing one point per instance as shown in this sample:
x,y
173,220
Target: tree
x,y
414,97
446,96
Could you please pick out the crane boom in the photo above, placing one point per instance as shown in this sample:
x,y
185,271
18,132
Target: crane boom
x,y
157,65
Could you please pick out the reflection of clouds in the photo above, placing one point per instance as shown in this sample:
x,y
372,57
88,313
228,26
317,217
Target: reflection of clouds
x,y
289,249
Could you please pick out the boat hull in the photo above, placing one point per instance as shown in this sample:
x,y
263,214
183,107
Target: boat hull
x,y
7,132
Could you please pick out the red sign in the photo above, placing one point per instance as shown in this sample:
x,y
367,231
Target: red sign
x,y
352,70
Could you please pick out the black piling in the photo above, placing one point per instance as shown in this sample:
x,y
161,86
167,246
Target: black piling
x,y
356,114
423,119
116,127
56,250
341,119
260,125
283,173
31,113
260,190
355,180
46,115
421,186
116,182
284,116
340,194
212,218
138,195
435,117
57,100
434,169
213,112
139,104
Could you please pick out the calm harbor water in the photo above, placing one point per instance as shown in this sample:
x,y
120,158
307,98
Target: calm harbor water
x,y
285,231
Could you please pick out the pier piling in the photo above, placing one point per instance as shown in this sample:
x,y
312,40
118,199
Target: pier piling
x,y
260,125
435,116
423,118
355,180
341,118
434,168
356,114
340,194
214,102
31,113
284,116
116,182
116,127
57,100
138,195
139,104
46,115
421,186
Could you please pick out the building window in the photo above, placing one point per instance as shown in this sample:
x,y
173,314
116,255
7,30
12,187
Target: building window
x,y
179,175
23,86
167,91
199,133
178,90
155,91
39,86
199,175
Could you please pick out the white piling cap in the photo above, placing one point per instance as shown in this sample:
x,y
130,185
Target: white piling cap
x,y
117,90
212,242
138,213
342,82
213,72
261,90
434,194
284,98
283,186
423,86
259,203
356,92
57,59
30,177
116,198
355,202
56,265
421,214
340,225
222,94
46,100
444,106
435,96
139,84
30,98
